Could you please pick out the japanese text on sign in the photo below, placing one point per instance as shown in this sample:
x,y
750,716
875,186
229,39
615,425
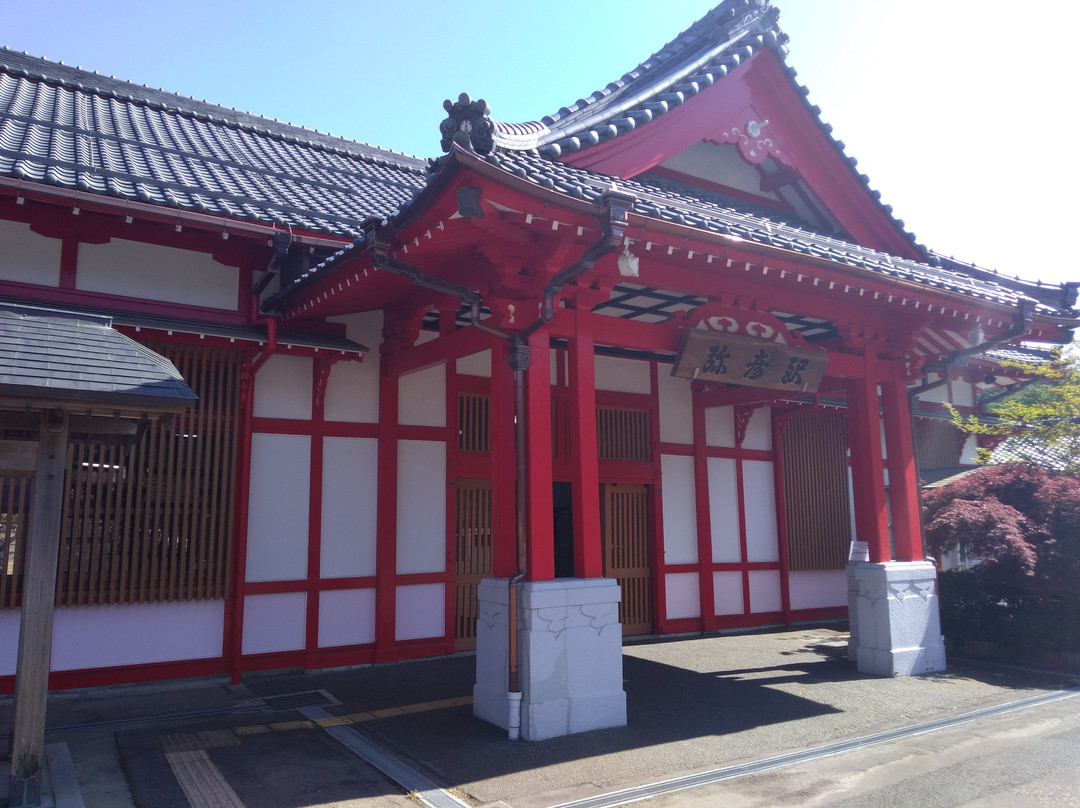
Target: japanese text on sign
x,y
736,360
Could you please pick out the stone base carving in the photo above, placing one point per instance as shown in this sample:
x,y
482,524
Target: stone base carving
x,y
895,623
570,656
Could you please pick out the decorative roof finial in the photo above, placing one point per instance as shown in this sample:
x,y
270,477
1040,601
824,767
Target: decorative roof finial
x,y
468,123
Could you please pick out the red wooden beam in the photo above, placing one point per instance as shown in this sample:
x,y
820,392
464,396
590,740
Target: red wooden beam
x,y
588,549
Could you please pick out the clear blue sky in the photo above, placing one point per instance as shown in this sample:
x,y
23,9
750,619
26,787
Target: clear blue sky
x,y
962,112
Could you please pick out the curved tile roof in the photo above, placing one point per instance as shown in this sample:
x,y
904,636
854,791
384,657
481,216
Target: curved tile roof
x,y
79,130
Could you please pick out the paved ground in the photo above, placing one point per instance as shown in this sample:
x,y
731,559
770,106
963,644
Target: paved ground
x,y
279,741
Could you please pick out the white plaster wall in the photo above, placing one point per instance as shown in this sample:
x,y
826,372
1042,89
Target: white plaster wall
x,y
938,394
963,393
622,375
9,641
277,539
765,591
283,388
352,391
274,623
422,397
817,589
477,364
727,593
420,611
761,537
346,617
27,257
683,595
969,454
718,163
720,427
759,430
134,269
676,408
421,507
724,510
680,513
101,636
349,500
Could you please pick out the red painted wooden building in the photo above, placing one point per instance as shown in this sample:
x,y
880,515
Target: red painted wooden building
x,y
667,336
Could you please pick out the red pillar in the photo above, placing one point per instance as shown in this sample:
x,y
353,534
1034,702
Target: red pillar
x,y
903,477
867,467
386,522
588,543
704,517
541,533
503,465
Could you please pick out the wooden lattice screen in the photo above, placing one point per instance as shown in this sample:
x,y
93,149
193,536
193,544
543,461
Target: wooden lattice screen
x,y
623,434
474,422
816,499
938,445
146,522
473,556
625,516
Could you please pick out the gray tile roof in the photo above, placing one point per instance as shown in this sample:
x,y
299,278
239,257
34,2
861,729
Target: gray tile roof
x,y
49,354
83,131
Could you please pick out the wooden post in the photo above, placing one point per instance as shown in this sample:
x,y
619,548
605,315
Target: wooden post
x,y
541,539
35,627
903,478
868,468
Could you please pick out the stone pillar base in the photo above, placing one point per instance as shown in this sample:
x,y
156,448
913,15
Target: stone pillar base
x,y
895,624
569,656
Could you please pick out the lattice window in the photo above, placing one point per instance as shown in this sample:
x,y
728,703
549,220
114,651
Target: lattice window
x,y
474,422
938,445
816,499
473,556
14,511
623,434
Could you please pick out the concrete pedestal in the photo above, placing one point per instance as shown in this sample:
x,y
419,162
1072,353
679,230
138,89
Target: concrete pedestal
x,y
895,624
569,656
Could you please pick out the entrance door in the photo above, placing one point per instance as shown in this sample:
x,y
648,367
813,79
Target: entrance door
x,y
625,521
473,556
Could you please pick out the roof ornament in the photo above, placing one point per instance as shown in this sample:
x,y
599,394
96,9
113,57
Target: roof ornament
x,y
468,123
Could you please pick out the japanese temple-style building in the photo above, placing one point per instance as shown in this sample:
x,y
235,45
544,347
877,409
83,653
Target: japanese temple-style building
x,y
658,362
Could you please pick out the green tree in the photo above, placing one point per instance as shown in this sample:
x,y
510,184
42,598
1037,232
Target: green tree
x,y
1044,417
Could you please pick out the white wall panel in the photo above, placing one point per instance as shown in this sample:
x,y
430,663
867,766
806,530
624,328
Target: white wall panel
x,y
27,257
622,375
759,430
477,364
970,452
422,397
283,388
683,595
346,617
963,393
349,501
761,538
274,623
420,611
720,426
102,636
724,510
765,591
135,269
727,593
421,508
676,408
9,641
680,513
352,392
817,589
277,540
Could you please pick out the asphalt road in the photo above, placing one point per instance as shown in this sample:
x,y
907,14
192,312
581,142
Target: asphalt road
x,y
1027,758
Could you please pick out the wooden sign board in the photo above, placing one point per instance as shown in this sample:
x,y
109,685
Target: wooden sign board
x,y
713,356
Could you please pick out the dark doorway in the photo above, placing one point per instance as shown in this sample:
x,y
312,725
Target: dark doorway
x,y
562,500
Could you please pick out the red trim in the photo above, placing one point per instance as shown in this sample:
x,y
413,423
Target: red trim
x,y
903,478
781,516
541,543
703,510
320,376
867,468
588,538
386,520
232,644
656,502
504,469
128,674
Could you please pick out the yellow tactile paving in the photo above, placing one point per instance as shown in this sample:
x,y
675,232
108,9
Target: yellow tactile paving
x,y
202,783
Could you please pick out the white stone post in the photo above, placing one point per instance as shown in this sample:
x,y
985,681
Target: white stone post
x,y
895,623
570,656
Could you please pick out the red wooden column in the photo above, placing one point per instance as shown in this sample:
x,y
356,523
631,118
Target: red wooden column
x,y
867,467
588,541
503,465
541,532
903,477
706,593
386,520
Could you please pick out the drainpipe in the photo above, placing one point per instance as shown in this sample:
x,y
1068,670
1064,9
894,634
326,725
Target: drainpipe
x,y
613,226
